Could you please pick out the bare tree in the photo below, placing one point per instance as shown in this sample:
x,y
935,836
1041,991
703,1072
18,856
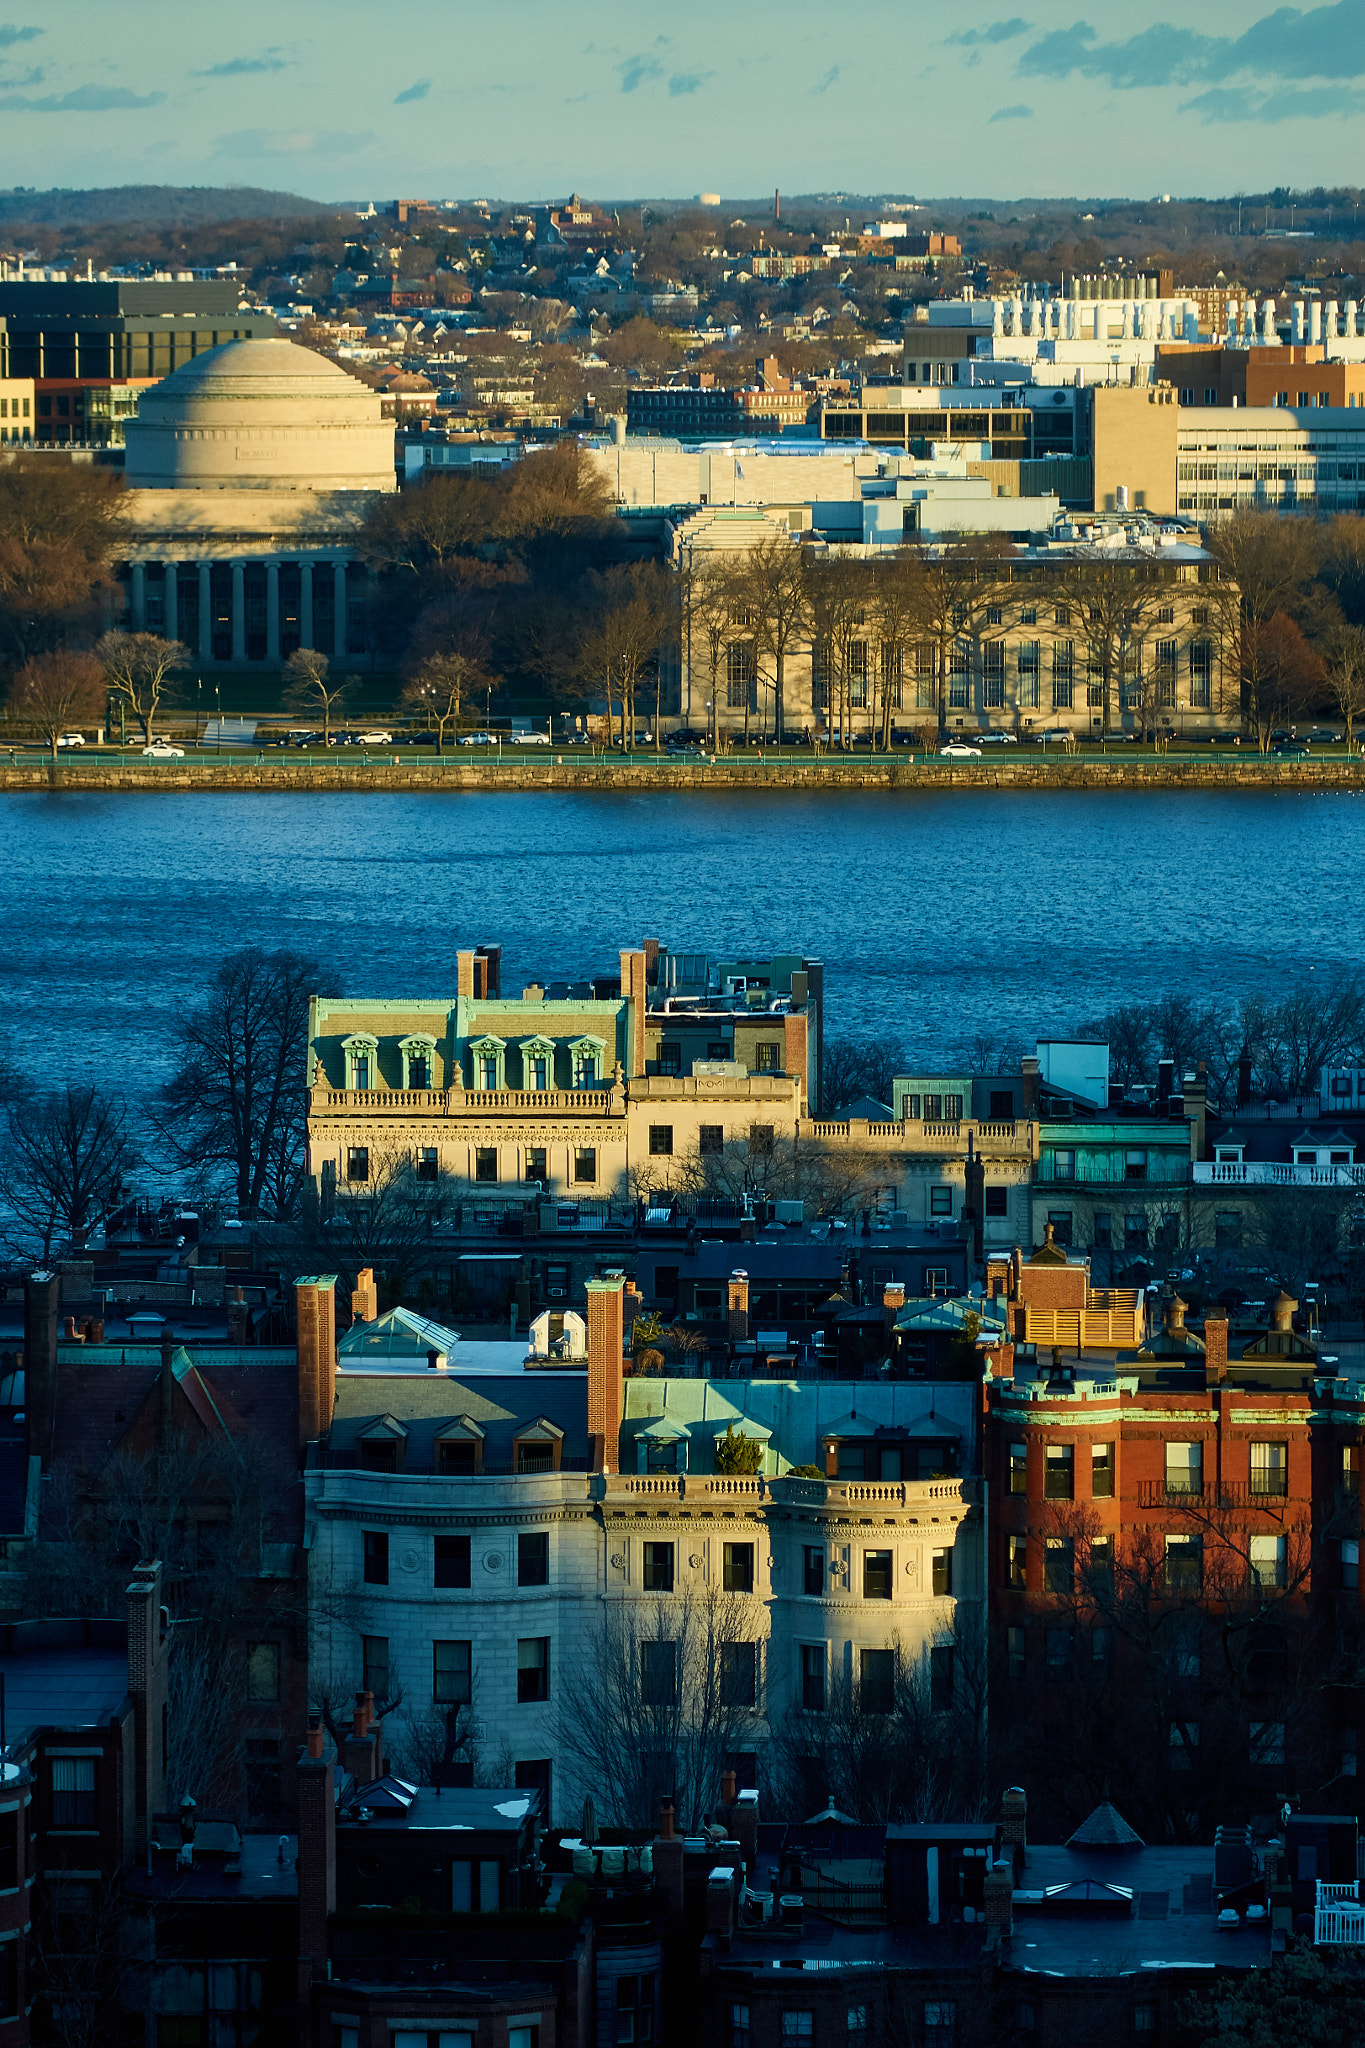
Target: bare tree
x,y
57,690
66,1160
830,1178
308,688
59,526
668,1697
955,581
620,646
1113,599
1345,656
852,1067
140,671
772,588
838,589
79,1958
438,687
236,1103
384,1221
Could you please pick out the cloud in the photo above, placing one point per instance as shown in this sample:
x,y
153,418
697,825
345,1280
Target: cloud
x,y
10,34
1223,103
683,82
830,78
1292,43
1015,113
244,67
638,71
86,99
257,142
414,92
998,32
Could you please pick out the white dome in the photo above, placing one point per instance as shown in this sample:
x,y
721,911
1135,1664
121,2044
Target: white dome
x,y
259,416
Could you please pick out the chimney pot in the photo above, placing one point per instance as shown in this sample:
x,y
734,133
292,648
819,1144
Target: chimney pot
x,y
666,1819
727,1788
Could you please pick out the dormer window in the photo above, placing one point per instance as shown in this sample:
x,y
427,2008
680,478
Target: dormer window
x,y
586,1054
419,1060
362,1060
537,1065
489,1056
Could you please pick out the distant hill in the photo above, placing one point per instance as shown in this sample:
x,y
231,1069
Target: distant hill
x,y
169,206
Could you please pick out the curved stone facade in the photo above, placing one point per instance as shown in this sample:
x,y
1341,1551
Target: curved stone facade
x,y
260,416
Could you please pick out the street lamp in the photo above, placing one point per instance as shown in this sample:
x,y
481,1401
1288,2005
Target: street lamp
x,y
710,725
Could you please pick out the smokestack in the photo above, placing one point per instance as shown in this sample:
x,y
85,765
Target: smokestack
x,y
315,1314
777,205
606,1339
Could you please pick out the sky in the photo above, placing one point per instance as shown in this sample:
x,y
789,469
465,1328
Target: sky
x,y
346,100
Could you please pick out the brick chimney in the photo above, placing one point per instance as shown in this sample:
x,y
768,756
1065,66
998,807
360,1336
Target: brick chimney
x,y
464,975
635,991
148,1643
317,1860
487,972
737,1305
668,1861
738,1815
720,1902
1001,1361
364,1297
893,1301
1014,1821
42,1292
1215,1346
315,1308
1028,1091
238,1319
361,1750
999,1903
606,1338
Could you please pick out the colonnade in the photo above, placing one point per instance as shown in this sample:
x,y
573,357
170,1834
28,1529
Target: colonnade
x,y
166,577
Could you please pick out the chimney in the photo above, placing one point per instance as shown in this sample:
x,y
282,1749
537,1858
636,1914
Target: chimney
x,y
1215,1346
41,1300
634,990
720,1902
238,1320
1282,1311
728,1782
167,1383
632,1304
1001,1361
360,1750
999,1903
1165,1079
737,1305
315,1310
317,1860
1175,1316
1196,1087
1014,1821
1243,1080
606,1338
364,1297
668,1861
974,1201
487,972
464,975
893,1301
1028,1092
651,947
739,1814
148,1640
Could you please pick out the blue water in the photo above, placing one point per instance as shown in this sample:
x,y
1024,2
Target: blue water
x,y
936,915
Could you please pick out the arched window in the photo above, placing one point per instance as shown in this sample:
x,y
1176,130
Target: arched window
x,y
537,1065
488,1055
419,1060
362,1060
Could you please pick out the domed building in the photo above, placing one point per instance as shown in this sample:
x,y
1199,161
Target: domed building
x,y
250,471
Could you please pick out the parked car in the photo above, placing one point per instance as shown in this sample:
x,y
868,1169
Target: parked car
x,y
999,739
162,750
477,739
530,739
1293,750
302,739
958,750
1054,736
71,739
374,739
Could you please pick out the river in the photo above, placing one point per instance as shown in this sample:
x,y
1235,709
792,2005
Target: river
x,y
936,915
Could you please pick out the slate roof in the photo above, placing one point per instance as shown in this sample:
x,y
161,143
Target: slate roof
x,y
56,1678
1105,1828
425,1403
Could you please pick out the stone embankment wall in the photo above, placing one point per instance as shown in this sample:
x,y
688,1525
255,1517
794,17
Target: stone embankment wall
x,y
1108,772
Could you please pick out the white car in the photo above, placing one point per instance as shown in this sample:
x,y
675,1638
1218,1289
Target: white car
x,y
958,750
162,750
374,739
999,739
71,739
530,739
477,739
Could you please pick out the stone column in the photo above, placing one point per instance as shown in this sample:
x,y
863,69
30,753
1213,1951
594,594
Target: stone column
x,y
239,611
172,626
272,611
205,612
305,603
137,596
339,608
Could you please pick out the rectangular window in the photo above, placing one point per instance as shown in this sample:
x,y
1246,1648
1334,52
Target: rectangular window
x,y
475,1887
760,1140
73,1792
814,1571
876,1681
739,2026
1059,1564
813,1677
262,1671
942,1572
941,1678
1016,1651
428,1165
738,1574
376,1544
658,1673
857,2025
1102,1471
738,1674
1350,1468
1063,675
670,1056
997,1201
658,1571
374,1665
1135,1231
1350,1564
768,1057
1135,1164
537,1164
533,1557
940,2023
993,675
935,1281
798,2028
940,1201
1058,1647
1102,1565
1018,1561
451,1569
952,1109
1018,1468
1064,1162
533,1668
876,1575
1027,685
358,1163
1184,1564
1201,674
486,1163
1270,1470
1267,1745
585,1166
1059,1472
1268,1560
711,1140
457,1458
452,1674
1185,1469
661,1141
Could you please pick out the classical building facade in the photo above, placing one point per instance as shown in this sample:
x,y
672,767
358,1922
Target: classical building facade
x,y
250,470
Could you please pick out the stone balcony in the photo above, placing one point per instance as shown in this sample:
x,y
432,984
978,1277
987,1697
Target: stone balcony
x,y
465,1102
932,1141
1267,1173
